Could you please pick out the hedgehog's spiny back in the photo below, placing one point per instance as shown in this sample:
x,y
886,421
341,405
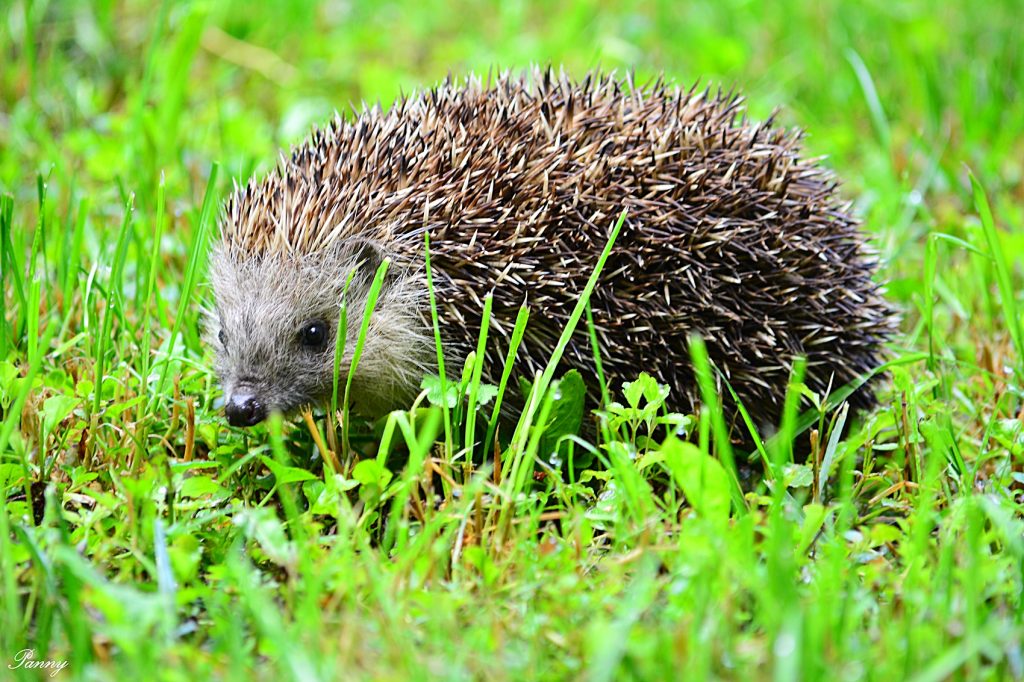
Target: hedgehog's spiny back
x,y
730,233
379,170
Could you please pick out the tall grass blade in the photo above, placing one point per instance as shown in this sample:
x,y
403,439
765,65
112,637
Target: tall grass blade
x,y
713,412
196,259
364,328
1004,278
441,373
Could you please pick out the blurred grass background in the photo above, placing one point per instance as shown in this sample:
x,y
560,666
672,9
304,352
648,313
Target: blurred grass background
x,y
111,104
884,87
899,95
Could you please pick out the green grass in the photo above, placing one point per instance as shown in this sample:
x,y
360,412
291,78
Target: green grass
x,y
138,533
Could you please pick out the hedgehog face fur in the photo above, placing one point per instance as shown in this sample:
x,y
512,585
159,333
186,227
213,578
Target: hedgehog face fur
x,y
730,234
275,329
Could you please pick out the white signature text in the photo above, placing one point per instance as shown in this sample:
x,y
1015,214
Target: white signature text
x,y
26,658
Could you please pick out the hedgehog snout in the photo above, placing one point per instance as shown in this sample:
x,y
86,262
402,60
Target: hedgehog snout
x,y
244,409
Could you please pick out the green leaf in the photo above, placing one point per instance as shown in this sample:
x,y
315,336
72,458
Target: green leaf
x,y
84,388
566,413
201,486
595,475
432,385
485,393
702,478
649,458
883,533
56,409
371,472
814,517
263,526
186,553
327,497
8,373
797,476
115,410
1009,433
645,387
11,474
312,490
284,473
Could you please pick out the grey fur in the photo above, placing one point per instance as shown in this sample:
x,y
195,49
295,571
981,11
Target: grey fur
x,y
261,303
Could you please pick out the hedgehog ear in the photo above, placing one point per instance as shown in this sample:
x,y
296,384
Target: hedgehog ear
x,y
367,254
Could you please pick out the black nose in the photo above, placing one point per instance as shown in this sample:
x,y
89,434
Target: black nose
x,y
243,409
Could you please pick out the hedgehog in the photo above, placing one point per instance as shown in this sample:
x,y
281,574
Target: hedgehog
x,y
730,234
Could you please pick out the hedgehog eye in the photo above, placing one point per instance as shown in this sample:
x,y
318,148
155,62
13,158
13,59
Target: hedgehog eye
x,y
313,334
223,338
